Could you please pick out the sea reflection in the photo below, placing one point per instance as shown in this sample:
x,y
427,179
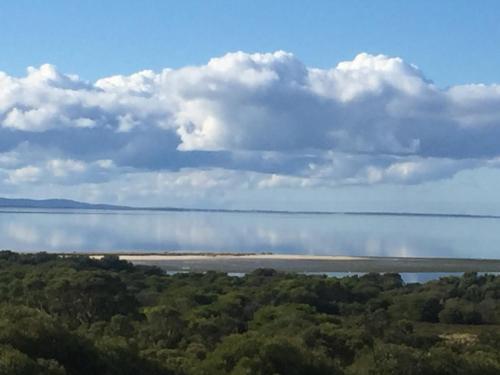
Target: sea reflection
x,y
66,230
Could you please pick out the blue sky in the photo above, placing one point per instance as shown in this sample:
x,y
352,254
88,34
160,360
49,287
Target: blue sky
x,y
454,41
358,105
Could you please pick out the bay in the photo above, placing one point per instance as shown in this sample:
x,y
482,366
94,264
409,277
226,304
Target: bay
x,y
150,231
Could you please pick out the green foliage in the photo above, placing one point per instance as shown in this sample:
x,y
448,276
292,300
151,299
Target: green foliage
x,y
253,353
76,315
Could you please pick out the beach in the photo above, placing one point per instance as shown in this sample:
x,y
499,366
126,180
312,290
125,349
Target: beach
x,y
243,263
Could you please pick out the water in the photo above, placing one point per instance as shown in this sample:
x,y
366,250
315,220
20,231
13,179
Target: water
x,y
407,277
84,230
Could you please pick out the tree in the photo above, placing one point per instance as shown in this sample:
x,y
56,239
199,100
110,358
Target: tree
x,y
430,309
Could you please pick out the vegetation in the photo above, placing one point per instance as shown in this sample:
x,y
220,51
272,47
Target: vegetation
x,y
76,315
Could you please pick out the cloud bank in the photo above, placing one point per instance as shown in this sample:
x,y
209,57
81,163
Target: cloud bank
x,y
251,121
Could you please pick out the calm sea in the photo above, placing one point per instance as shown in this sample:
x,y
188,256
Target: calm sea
x,y
84,230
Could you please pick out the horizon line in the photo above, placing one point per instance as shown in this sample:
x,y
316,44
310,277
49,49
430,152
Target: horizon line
x,y
73,204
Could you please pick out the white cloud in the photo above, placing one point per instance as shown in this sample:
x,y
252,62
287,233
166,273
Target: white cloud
x,y
61,171
257,121
61,168
24,174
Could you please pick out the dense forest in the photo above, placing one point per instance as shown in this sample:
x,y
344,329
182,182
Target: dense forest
x,y
77,315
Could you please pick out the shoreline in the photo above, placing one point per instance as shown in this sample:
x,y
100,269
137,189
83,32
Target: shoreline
x,y
248,262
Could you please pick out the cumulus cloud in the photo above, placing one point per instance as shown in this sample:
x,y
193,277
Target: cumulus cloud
x,y
62,171
251,120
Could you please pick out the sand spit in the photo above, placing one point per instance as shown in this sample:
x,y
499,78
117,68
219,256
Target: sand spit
x,y
242,263
133,258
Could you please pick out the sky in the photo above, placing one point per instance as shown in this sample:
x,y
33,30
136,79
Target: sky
x,y
324,105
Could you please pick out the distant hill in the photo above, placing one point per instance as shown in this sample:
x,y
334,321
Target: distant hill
x,y
56,203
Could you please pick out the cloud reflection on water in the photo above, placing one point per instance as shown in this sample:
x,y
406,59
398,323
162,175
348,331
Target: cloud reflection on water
x,y
249,232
